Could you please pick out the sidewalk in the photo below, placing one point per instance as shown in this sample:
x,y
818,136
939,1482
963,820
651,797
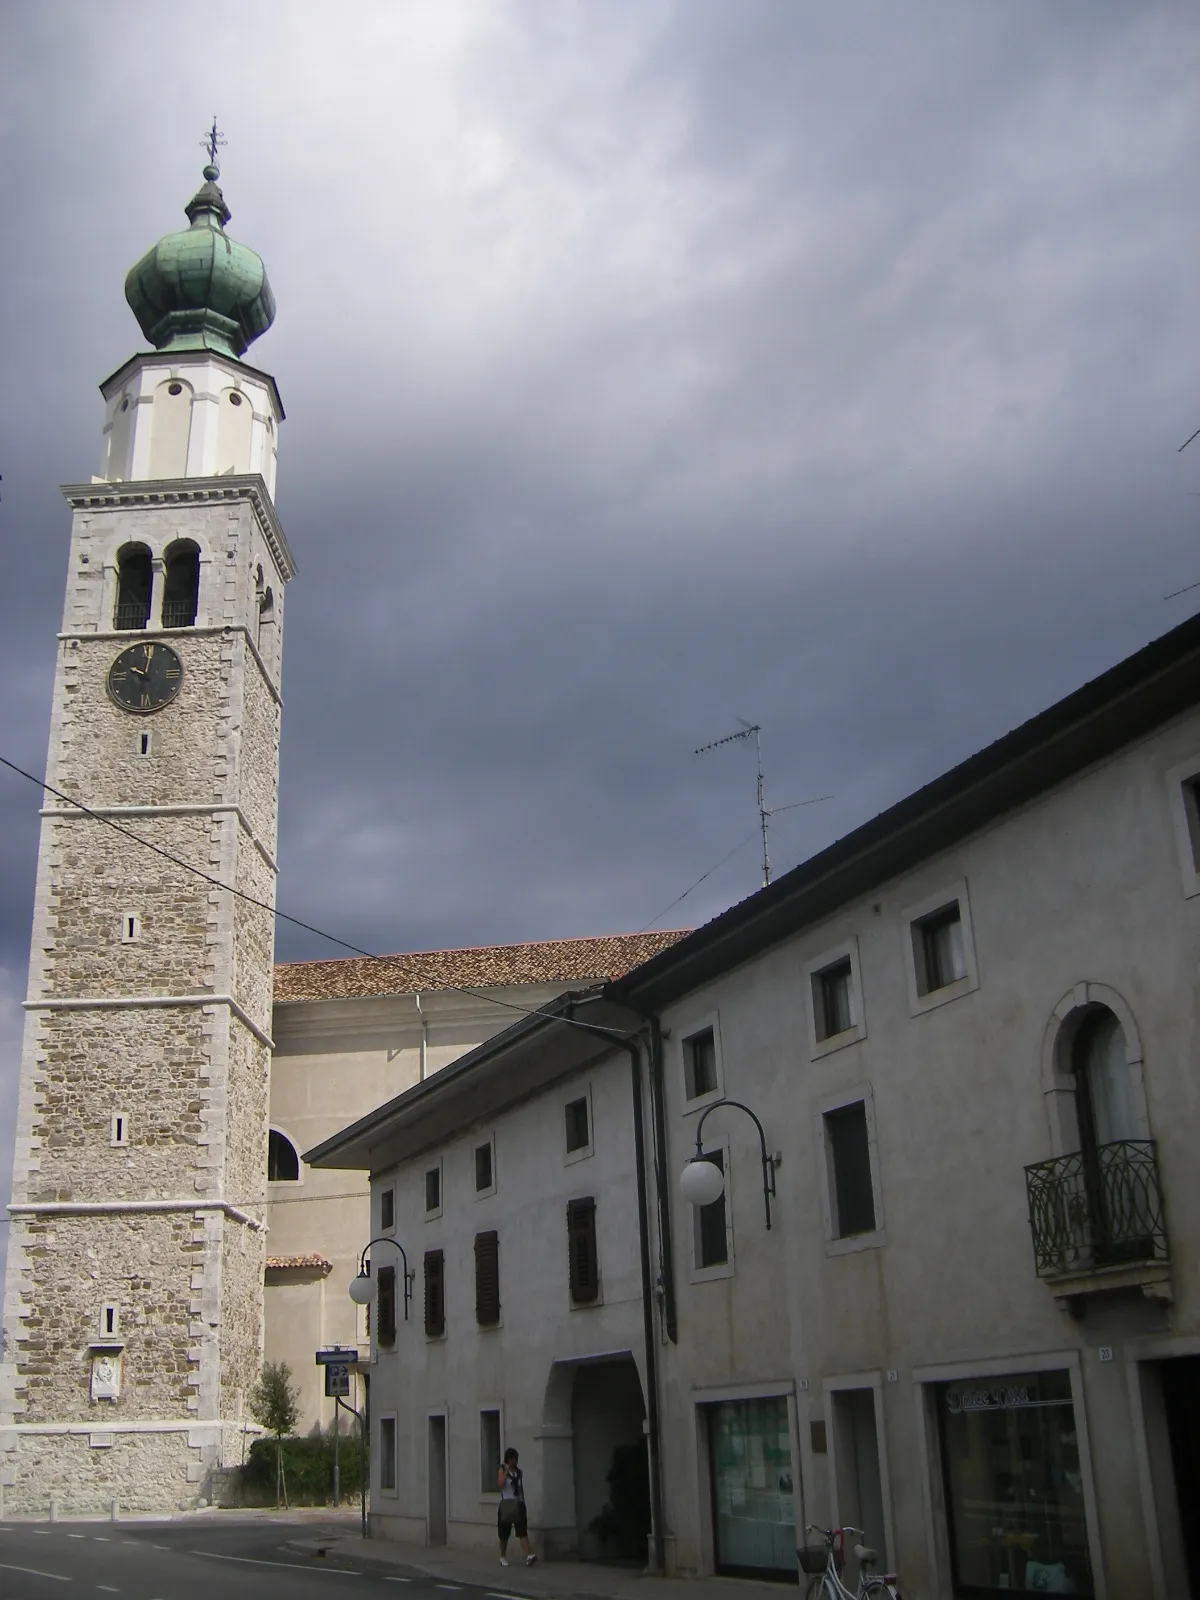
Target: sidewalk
x,y
547,1580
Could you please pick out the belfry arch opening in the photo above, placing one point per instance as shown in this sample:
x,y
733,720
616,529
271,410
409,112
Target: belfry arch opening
x,y
135,576
181,590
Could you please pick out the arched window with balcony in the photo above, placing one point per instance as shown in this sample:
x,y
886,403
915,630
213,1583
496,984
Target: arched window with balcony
x,y
283,1163
181,589
1098,1205
135,577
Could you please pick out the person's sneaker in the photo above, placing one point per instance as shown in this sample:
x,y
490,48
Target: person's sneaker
x,y
503,1561
529,1560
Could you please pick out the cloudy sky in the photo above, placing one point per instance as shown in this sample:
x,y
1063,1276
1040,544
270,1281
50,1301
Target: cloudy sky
x,y
648,364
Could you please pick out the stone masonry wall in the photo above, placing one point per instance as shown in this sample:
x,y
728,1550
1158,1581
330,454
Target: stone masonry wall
x,y
85,1472
244,1150
242,1264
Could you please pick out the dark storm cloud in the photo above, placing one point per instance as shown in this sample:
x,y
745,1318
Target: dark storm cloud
x,y
647,365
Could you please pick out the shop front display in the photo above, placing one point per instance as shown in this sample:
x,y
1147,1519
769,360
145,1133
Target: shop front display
x,y
1014,1488
750,1455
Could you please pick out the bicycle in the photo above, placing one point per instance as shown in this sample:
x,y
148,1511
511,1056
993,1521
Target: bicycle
x,y
824,1562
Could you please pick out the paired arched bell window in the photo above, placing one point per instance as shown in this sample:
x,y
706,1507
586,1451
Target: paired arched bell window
x,y
135,577
181,588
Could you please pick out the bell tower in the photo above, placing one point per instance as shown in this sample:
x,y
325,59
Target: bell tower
x,y
133,1307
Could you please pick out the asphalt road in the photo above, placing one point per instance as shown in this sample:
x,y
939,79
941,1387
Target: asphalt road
x,y
169,1561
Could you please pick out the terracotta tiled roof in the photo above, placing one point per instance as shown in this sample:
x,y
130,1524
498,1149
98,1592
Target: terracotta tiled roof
x,y
567,961
299,1263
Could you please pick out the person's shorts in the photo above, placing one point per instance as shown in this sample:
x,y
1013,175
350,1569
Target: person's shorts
x,y
512,1518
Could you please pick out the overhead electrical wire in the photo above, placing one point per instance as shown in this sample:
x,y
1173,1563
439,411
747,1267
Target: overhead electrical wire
x,y
228,888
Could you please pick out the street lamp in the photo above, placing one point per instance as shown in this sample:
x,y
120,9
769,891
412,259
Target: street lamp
x,y
702,1181
362,1289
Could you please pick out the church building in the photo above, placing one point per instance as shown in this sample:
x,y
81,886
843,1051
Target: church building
x,y
165,1236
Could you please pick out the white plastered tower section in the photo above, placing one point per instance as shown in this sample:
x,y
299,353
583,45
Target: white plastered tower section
x,y
133,1306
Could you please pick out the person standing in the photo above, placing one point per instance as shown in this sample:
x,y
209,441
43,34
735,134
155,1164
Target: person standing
x,y
510,1481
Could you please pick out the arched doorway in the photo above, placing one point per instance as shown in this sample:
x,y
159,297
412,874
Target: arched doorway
x,y
594,1463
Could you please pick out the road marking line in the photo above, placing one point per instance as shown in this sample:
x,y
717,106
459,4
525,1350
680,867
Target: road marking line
x,y
455,1586
108,1588
33,1572
101,1538
77,1536
496,1594
295,1566
388,1578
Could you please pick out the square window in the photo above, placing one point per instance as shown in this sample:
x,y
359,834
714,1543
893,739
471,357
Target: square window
x,y
712,1229
847,1142
833,999
387,1210
700,1064
489,1450
484,1174
387,1453
940,949
433,1189
579,1134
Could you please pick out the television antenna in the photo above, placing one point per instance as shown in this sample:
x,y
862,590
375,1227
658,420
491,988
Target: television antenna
x,y
748,731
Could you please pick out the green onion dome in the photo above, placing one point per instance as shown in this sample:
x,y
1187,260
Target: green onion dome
x,y
198,289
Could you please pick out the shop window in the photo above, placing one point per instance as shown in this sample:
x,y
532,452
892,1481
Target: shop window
x,y
752,1478
1014,1486
435,1294
487,1279
283,1164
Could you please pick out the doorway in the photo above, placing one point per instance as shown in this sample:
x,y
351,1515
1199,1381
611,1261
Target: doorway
x,y
1181,1400
858,1484
753,1507
436,1523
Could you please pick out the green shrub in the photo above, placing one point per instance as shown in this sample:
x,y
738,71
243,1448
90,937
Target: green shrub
x,y
308,1464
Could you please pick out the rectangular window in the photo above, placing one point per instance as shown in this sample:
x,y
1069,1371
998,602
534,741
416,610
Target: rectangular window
x,y
118,1128
109,1323
1191,810
849,1156
144,745
582,1266
484,1178
833,1005
712,1231
433,1189
487,1279
700,1064
387,1210
939,949
130,928
387,1452
489,1450
435,1293
385,1300
1014,1496
578,1132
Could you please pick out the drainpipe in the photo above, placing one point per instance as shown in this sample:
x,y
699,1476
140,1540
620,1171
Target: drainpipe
x,y
662,1189
424,1037
652,1422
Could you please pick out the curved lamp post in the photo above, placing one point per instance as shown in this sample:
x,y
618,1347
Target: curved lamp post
x,y
362,1289
702,1181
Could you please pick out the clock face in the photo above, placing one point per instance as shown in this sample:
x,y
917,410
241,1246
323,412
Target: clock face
x,y
145,677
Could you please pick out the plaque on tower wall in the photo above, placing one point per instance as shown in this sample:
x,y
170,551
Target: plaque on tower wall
x,y
106,1374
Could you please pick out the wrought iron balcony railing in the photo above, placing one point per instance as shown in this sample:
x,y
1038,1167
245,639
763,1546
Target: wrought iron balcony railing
x,y
1089,1212
179,613
133,614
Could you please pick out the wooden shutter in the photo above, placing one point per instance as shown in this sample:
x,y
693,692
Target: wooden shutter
x,y
435,1293
583,1269
487,1279
386,1300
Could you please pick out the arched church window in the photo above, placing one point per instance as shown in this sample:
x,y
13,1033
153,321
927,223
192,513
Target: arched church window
x,y
182,586
283,1164
134,578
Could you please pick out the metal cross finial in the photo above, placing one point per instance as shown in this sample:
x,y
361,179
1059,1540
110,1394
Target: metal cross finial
x,y
212,142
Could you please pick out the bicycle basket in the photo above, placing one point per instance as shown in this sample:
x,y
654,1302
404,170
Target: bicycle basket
x,y
812,1558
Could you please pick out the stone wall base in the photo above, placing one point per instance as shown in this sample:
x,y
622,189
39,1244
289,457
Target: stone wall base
x,y
84,1473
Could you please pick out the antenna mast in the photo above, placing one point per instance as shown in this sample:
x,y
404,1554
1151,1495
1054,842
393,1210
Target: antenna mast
x,y
752,730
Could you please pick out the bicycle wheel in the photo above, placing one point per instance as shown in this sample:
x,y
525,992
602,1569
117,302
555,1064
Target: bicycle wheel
x,y
876,1589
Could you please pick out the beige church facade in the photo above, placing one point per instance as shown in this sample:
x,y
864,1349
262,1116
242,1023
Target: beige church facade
x,y
349,1036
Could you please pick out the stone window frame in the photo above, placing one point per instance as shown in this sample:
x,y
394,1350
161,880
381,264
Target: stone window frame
x,y
569,1097
393,1491
1183,800
814,970
489,1497
118,1130
476,1145
686,1032
131,927
286,1183
911,919
439,1168
836,1244
728,1267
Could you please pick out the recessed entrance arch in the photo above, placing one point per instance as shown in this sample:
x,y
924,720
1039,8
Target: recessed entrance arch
x,y
594,1466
